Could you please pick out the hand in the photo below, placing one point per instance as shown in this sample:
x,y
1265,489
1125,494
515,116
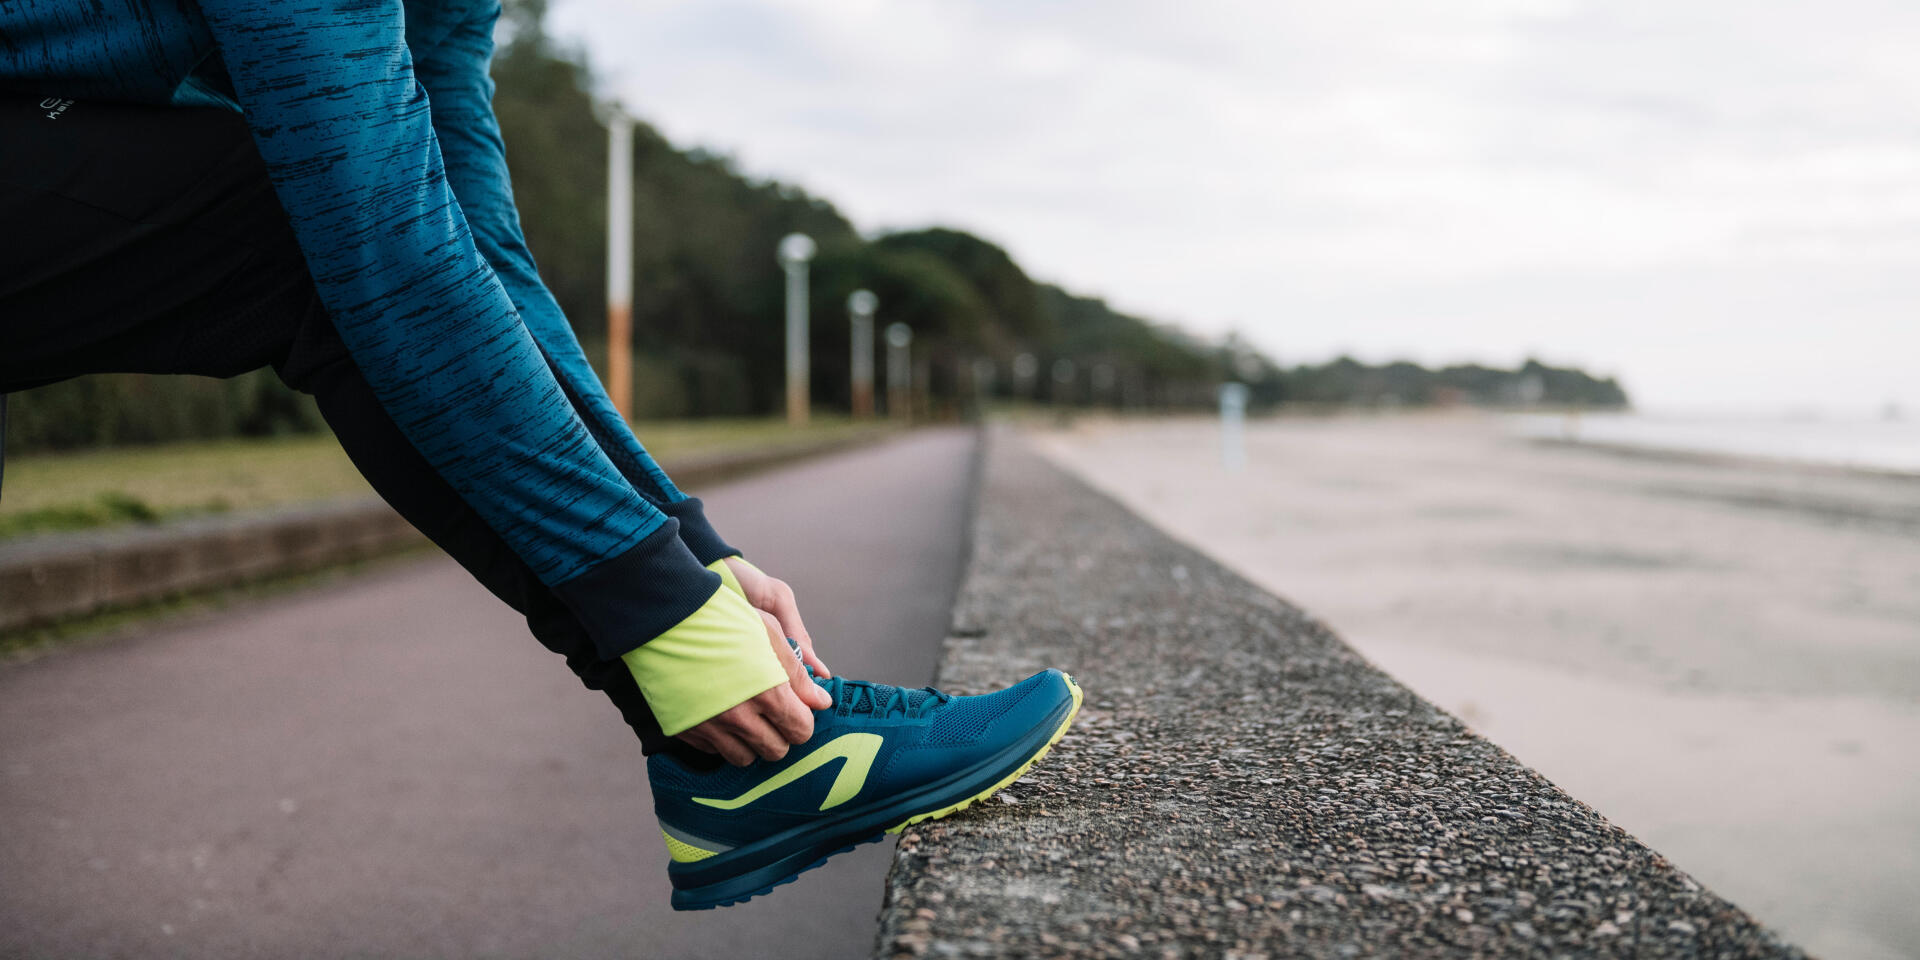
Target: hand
x,y
766,725
774,596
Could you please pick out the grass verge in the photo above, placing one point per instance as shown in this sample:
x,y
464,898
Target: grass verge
x,y
55,492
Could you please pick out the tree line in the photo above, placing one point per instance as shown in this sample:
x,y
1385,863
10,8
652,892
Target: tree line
x,y
708,297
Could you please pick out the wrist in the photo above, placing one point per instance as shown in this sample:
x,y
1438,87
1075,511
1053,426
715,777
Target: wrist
x,y
729,570
714,660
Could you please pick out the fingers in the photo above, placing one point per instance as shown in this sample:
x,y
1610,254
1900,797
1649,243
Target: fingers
x,y
714,740
813,660
786,609
749,724
799,685
776,596
760,736
790,718
761,728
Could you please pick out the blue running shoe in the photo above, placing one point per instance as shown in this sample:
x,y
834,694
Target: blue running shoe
x,y
880,759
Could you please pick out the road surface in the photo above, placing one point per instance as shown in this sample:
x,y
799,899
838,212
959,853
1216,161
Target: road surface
x,y
390,766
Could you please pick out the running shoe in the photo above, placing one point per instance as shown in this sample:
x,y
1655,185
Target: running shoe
x,y
881,758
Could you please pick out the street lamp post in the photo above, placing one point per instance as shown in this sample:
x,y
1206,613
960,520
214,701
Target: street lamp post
x,y
860,307
1103,378
899,371
984,376
620,260
983,373
1026,367
1233,419
796,249
1063,374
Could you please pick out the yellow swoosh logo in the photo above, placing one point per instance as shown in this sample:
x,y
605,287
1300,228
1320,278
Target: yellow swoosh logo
x,y
857,749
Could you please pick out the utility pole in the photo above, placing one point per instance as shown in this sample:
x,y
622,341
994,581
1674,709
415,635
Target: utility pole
x,y
796,249
860,307
620,260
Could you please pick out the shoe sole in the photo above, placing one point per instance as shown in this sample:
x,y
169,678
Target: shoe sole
x,y
728,891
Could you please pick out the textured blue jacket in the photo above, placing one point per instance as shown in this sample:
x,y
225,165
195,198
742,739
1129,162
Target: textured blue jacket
x,y
375,119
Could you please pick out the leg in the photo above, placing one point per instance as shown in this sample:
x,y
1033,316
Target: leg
x,y
182,261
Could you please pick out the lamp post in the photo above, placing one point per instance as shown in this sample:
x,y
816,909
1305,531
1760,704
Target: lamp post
x,y
796,249
1103,379
860,307
1026,367
1063,374
1233,419
983,373
899,371
620,260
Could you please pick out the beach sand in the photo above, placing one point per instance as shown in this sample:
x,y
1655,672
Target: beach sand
x,y
1721,657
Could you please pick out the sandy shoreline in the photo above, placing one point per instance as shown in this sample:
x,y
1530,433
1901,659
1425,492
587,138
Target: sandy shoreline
x,y
1722,657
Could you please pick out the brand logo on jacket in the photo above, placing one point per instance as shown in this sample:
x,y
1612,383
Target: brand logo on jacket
x,y
55,106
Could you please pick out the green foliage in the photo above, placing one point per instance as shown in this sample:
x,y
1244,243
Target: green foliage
x,y
106,510
556,151
708,300
709,294
1347,382
1010,297
947,313
126,408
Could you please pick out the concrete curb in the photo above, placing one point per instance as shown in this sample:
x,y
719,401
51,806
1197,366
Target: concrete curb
x,y
47,579
1240,783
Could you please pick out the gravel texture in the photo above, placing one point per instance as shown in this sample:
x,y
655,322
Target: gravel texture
x,y
1242,784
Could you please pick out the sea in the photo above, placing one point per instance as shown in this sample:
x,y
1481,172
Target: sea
x,y
1889,443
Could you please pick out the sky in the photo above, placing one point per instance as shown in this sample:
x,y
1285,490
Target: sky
x,y
1717,201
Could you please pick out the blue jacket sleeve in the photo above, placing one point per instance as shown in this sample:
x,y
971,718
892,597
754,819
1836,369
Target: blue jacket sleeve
x,y
451,61
329,91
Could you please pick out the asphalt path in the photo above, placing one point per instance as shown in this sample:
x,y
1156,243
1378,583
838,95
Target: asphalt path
x,y
390,766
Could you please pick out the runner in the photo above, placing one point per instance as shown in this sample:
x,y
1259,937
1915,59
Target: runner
x,y
209,188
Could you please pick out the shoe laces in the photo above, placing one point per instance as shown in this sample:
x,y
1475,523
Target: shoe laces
x,y
873,699
880,700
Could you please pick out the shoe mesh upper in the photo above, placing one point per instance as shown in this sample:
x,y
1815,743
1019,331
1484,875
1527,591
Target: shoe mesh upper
x,y
955,722
967,718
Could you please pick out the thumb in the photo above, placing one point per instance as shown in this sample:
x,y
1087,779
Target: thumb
x,y
803,686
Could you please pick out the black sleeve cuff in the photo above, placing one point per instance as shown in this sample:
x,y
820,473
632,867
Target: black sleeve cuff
x,y
697,533
640,594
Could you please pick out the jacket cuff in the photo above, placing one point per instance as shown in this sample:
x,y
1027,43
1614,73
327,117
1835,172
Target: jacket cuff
x,y
697,533
714,660
634,597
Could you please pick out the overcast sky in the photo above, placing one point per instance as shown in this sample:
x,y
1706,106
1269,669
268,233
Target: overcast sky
x,y
1716,200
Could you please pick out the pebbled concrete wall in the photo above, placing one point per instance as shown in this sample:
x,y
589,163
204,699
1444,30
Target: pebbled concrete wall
x,y
1242,784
